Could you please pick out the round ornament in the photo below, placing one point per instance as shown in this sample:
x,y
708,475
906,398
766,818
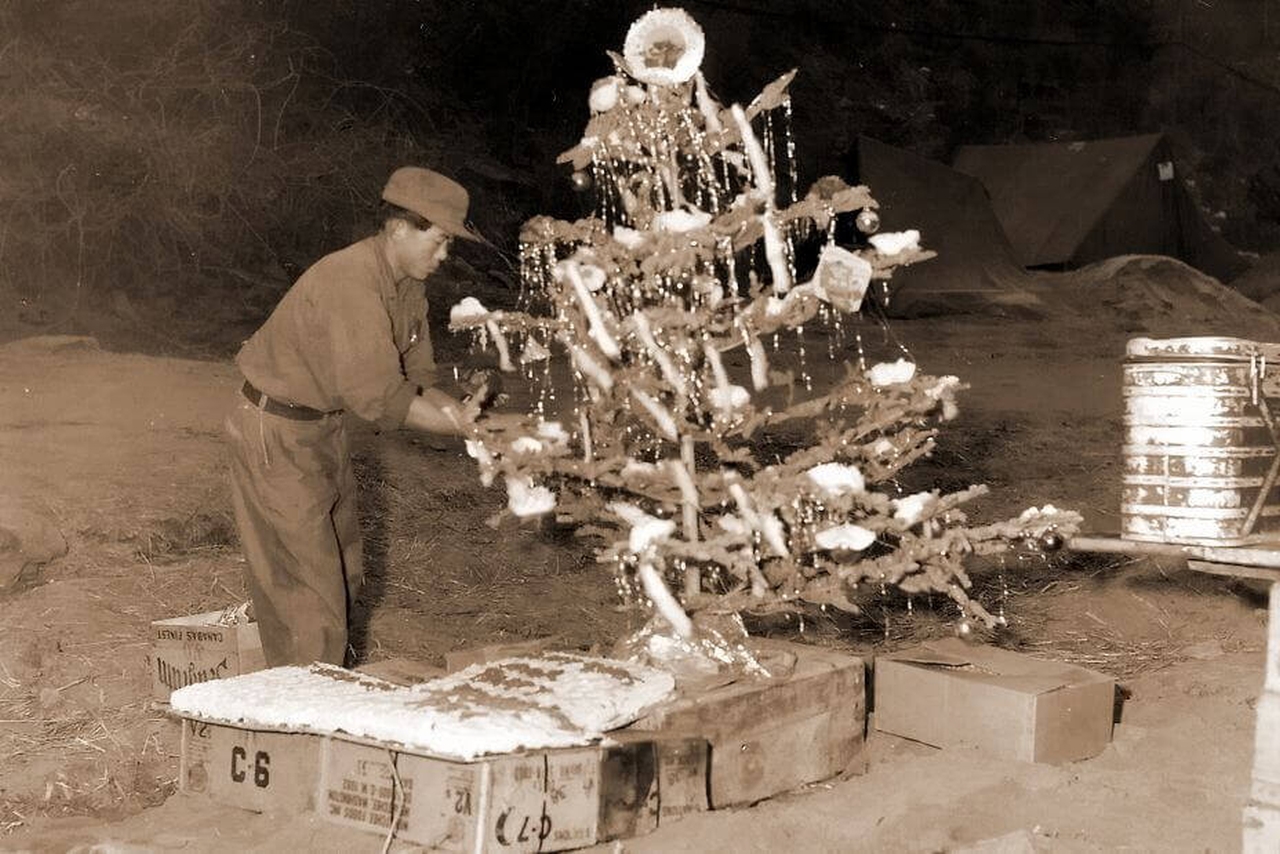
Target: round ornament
x,y
867,221
964,630
1052,541
581,181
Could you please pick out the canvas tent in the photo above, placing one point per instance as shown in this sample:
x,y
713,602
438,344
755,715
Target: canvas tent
x,y
1063,205
975,268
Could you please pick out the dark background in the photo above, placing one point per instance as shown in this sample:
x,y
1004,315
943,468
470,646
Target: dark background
x,y
169,167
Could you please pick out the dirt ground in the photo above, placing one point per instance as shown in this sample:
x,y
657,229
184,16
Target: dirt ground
x,y
123,453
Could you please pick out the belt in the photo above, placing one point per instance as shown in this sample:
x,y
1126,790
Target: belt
x,y
291,411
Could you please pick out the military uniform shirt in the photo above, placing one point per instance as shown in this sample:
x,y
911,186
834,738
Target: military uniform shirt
x,y
347,336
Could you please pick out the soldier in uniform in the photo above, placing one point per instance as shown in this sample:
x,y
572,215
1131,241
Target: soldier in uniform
x,y
349,337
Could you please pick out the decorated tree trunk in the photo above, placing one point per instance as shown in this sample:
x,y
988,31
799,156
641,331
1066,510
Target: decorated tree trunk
x,y
692,263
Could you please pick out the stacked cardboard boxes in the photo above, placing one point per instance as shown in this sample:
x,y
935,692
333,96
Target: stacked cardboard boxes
x,y
549,800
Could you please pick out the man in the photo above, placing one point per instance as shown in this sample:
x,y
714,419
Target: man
x,y
349,336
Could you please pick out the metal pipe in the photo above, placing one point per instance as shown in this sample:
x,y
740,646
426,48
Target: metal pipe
x,y
1238,555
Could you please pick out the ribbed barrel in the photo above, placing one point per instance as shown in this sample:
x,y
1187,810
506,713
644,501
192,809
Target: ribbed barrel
x,y
1200,453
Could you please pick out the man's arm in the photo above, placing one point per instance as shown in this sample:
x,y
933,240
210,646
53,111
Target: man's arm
x,y
433,411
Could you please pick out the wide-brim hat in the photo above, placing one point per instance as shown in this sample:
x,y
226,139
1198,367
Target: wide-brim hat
x,y
439,200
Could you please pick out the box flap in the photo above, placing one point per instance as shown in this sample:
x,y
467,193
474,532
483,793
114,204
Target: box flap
x,y
985,663
927,655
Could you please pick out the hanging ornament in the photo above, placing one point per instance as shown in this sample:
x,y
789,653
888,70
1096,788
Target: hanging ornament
x,y
964,630
664,47
581,181
867,221
842,277
604,94
1051,541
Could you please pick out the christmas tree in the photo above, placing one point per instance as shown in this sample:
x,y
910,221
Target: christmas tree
x,y
671,305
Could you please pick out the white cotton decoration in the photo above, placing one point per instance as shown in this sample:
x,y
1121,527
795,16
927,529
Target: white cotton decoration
x,y
500,341
526,445
554,699
659,353
525,498
706,104
912,508
941,386
776,254
883,448
590,368
596,327
645,529
469,308
718,372
679,221
661,415
774,534
731,524
759,362
1036,512
634,95
837,478
552,431
894,242
848,537
663,602
638,468
944,390
760,172
533,352
664,47
891,373
769,526
604,94
629,237
729,398
592,276
684,480
478,452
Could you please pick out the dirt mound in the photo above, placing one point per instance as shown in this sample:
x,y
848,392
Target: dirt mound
x,y
1261,281
1158,295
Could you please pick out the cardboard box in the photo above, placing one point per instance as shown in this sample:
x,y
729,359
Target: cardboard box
x,y
262,771
196,648
950,694
649,779
553,800
771,736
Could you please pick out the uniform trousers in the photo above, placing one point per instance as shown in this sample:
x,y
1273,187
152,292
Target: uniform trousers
x,y
294,493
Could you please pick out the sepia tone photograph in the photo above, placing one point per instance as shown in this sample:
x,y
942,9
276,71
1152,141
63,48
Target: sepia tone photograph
x,y
740,426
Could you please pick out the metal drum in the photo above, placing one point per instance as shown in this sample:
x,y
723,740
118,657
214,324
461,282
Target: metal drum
x,y
1202,441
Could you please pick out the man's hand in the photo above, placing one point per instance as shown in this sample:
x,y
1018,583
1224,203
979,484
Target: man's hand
x,y
433,411
482,388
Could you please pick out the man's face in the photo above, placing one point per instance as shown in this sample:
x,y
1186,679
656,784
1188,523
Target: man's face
x,y
420,252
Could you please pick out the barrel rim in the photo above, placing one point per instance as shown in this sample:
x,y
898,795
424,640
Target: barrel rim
x,y
1252,452
1231,348
1192,481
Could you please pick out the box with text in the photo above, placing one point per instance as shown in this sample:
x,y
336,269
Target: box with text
x,y
262,771
200,647
552,800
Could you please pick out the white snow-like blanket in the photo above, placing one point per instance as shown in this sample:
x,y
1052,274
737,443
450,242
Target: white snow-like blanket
x,y
522,703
